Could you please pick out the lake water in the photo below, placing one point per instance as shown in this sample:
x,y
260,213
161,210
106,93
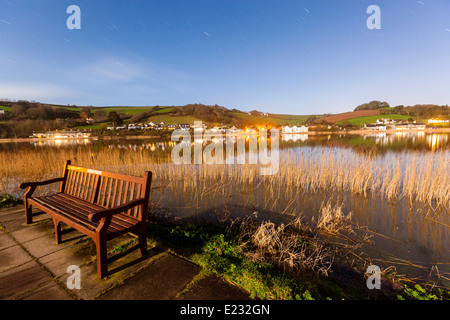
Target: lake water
x,y
410,235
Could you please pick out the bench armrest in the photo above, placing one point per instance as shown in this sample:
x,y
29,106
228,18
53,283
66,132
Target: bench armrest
x,y
39,183
96,216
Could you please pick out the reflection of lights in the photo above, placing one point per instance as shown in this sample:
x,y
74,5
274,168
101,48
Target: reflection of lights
x,y
216,140
294,137
434,141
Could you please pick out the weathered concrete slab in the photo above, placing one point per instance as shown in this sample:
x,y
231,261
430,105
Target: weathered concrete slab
x,y
14,218
13,213
214,288
33,266
162,280
49,291
11,257
118,271
22,279
6,241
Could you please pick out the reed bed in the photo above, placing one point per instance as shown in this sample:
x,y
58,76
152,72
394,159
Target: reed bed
x,y
414,175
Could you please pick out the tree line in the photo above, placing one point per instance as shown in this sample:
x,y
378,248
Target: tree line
x,y
417,111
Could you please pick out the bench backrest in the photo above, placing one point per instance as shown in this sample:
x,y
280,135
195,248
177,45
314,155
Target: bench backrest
x,y
104,188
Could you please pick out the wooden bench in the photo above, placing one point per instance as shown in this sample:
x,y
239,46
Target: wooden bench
x,y
100,204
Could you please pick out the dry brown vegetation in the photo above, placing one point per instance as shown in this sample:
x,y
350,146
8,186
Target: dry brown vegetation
x,y
291,246
417,176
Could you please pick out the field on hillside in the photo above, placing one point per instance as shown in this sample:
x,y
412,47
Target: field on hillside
x,y
371,119
171,119
130,111
276,119
351,115
163,115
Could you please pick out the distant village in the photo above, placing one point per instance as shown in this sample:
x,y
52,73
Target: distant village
x,y
378,125
389,124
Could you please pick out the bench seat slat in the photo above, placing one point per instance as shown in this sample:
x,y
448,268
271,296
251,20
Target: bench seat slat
x,y
101,195
77,210
61,210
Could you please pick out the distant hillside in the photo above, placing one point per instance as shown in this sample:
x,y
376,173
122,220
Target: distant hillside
x,y
20,118
212,114
373,105
350,115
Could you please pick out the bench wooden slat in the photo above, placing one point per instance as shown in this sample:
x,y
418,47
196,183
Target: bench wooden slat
x,y
119,223
79,218
86,193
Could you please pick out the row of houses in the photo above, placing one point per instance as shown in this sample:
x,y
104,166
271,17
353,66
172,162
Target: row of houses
x,y
64,134
294,129
385,124
151,125
181,126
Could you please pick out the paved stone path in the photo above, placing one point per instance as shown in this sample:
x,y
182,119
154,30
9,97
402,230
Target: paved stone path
x,y
34,267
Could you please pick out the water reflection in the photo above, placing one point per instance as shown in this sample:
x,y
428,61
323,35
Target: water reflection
x,y
405,230
294,137
382,140
432,141
60,142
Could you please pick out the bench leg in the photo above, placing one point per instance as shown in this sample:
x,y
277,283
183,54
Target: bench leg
x,y
142,238
28,212
102,258
57,231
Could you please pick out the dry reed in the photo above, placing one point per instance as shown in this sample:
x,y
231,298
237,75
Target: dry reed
x,y
417,176
290,246
333,220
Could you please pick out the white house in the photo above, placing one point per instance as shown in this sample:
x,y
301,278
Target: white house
x,y
294,129
375,126
410,126
199,128
384,121
432,121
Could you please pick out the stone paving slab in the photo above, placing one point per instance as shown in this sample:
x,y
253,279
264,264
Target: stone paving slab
x,y
34,267
214,288
22,279
163,280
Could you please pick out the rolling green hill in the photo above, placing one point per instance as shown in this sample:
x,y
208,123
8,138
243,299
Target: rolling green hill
x,y
371,119
164,114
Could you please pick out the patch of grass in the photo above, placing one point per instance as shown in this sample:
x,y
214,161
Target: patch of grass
x,y
225,257
371,119
96,126
130,111
171,119
419,293
123,247
188,236
275,119
8,200
220,251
